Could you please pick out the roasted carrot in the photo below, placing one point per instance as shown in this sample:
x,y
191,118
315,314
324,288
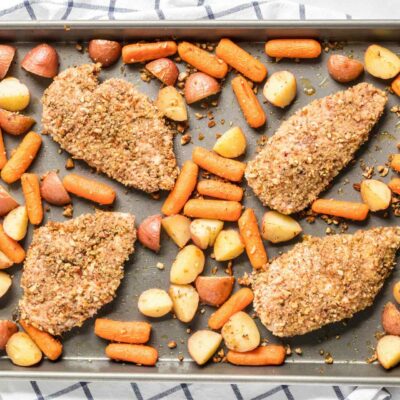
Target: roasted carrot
x,y
248,102
31,188
50,346
293,48
213,209
182,190
395,162
220,190
135,353
250,233
396,85
22,157
339,208
241,60
202,60
134,332
3,154
271,354
226,168
237,302
89,189
11,248
394,185
138,52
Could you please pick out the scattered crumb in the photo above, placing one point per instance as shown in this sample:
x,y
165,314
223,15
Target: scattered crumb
x,y
68,211
160,266
69,164
185,139
298,351
328,358
172,344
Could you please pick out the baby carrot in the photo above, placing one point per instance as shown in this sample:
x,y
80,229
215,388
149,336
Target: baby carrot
x,y
3,154
226,168
250,233
135,353
11,248
248,102
237,302
202,60
182,190
134,332
31,188
138,52
220,190
22,158
241,60
213,209
339,208
395,162
89,189
394,185
50,346
293,48
396,85
271,354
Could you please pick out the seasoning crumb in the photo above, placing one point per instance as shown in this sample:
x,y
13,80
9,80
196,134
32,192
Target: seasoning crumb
x,y
185,139
298,351
288,350
160,266
68,211
211,124
172,344
69,164
328,358
180,357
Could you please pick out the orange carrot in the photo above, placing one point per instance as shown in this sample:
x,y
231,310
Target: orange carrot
x,y
248,102
250,233
135,353
396,85
293,48
339,208
22,158
11,248
134,332
394,185
237,302
271,354
395,162
226,168
220,190
50,346
202,60
182,190
89,189
138,52
31,188
3,154
241,60
213,209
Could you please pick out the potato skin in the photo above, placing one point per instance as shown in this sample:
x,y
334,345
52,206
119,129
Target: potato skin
x,y
149,232
14,123
214,290
6,56
391,319
106,52
42,60
7,203
164,69
7,329
199,86
344,69
52,190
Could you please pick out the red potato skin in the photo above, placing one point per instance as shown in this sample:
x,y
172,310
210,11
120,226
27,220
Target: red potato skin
x,y
149,232
7,202
165,70
198,86
52,190
7,329
344,69
15,123
42,60
391,319
7,54
214,290
106,52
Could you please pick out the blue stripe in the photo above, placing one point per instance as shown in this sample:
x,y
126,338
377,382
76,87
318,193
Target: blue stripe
x,y
186,391
166,393
287,392
200,3
302,11
269,393
158,10
111,9
37,391
136,390
338,392
69,9
348,16
64,391
229,11
257,10
29,9
237,392
86,390
210,14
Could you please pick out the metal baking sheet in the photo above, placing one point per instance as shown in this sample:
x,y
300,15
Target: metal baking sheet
x,y
349,343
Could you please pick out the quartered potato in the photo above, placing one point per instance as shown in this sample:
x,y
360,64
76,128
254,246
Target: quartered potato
x,y
154,303
204,231
14,95
5,262
5,283
228,245
15,223
214,290
381,62
280,88
375,194
277,227
22,350
388,351
171,104
177,228
203,344
185,301
7,329
188,264
231,144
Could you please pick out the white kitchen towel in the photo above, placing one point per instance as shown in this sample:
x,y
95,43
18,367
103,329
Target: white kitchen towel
x,y
191,10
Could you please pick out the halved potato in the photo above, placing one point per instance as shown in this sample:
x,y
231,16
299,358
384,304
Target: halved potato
x,y
277,227
199,86
280,88
22,350
154,303
5,283
388,351
381,62
188,264
15,123
214,290
15,223
391,319
231,144
171,104
185,301
228,245
149,232
375,194
164,69
204,231
178,228
203,344
14,95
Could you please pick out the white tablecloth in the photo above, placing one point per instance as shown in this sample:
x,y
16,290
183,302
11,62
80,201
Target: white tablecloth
x,y
184,10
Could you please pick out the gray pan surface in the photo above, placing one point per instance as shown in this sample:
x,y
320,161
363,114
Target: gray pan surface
x,y
349,343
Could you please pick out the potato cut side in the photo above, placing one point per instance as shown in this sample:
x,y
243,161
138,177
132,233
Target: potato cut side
x,y
5,262
388,351
203,344
189,263
277,227
381,62
154,303
15,224
171,104
204,231
375,194
14,95
185,301
5,283
214,290
177,228
231,144
22,350
228,245
280,88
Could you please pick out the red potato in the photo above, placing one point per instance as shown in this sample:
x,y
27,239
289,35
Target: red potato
x,y
106,52
344,69
165,70
15,123
149,232
53,191
214,290
42,60
7,54
199,86
7,329
391,319
7,202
